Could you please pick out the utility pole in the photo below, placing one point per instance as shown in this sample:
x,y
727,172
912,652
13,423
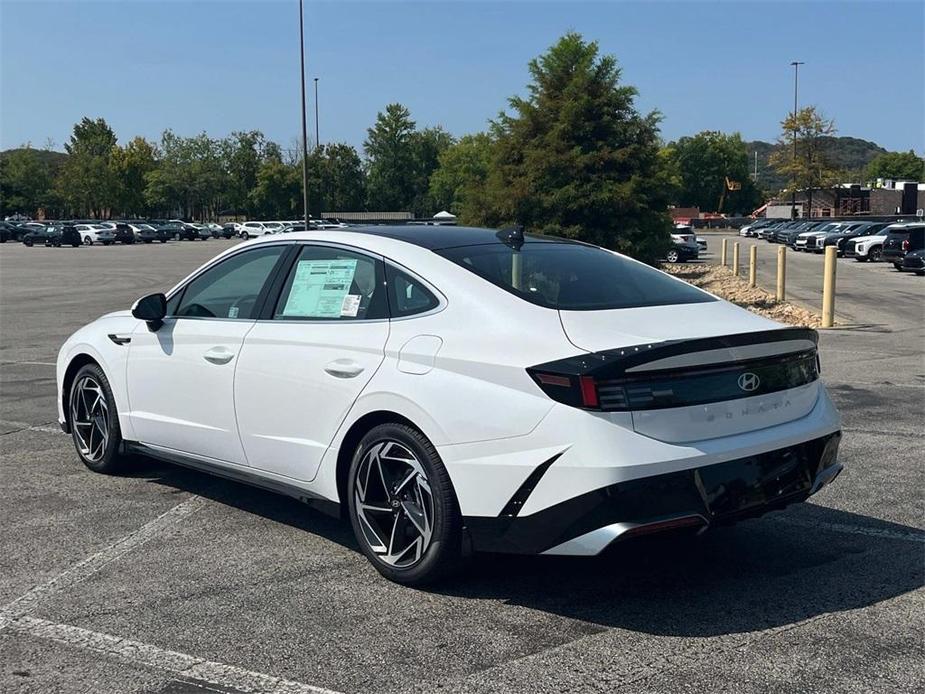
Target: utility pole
x,y
796,81
317,137
304,122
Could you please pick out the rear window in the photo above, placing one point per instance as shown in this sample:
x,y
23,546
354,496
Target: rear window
x,y
573,277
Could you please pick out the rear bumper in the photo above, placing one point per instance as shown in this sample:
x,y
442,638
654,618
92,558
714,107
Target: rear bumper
x,y
697,498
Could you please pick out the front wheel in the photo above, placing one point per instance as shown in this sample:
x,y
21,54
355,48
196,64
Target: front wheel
x,y
672,256
874,254
245,235
94,420
88,241
402,506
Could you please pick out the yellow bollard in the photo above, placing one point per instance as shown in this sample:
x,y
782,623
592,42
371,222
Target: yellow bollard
x,y
735,259
828,287
722,257
753,266
781,272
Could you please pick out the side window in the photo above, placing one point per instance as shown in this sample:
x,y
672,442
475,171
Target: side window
x,y
407,296
231,288
328,283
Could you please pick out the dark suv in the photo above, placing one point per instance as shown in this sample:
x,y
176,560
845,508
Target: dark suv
x,y
124,233
897,243
66,235
913,249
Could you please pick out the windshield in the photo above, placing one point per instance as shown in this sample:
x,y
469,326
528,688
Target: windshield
x,y
573,277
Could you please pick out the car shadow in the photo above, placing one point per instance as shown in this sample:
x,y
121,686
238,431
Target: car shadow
x,y
778,570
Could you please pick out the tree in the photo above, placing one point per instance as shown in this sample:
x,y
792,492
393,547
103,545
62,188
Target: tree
x,y
707,163
901,166
576,159
243,153
191,179
86,183
427,146
457,184
25,181
390,152
278,191
343,182
130,166
808,165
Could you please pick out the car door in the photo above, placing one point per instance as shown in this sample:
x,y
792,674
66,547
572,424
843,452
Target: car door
x,y
180,378
309,357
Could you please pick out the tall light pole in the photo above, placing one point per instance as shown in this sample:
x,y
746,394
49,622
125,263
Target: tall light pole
x,y
304,121
793,193
317,137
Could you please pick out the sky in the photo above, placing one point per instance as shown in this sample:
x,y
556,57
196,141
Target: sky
x,y
220,66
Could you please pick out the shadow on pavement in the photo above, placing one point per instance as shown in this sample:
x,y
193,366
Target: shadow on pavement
x,y
770,572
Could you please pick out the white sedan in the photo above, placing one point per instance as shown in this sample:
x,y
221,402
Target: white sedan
x,y
458,389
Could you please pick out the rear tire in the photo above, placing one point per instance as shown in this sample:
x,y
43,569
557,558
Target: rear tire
x,y
402,506
875,254
245,235
94,421
88,241
672,256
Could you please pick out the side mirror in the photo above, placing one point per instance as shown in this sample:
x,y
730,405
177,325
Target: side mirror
x,y
151,309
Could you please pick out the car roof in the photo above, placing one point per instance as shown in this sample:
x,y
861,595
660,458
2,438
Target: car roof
x,y
441,237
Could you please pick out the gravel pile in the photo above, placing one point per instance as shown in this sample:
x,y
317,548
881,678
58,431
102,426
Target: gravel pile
x,y
720,281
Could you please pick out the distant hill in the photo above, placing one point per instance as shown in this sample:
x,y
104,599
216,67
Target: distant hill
x,y
851,154
51,158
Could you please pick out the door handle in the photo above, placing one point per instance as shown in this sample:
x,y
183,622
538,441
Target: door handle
x,y
218,355
343,368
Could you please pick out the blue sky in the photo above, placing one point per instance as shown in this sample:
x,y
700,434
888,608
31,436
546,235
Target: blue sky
x,y
224,66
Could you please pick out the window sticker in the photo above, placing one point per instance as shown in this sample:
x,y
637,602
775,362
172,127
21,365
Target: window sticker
x,y
351,305
320,289
233,312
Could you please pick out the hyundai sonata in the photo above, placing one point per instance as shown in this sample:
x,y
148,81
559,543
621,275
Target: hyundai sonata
x,y
452,390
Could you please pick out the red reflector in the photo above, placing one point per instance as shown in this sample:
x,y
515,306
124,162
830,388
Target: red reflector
x,y
662,526
588,391
553,380
906,245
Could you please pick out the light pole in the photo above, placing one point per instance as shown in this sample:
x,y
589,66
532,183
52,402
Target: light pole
x,y
317,137
304,122
793,193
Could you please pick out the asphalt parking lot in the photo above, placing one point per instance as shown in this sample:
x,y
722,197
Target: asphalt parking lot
x,y
169,581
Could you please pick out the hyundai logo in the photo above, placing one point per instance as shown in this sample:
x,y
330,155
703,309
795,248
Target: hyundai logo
x,y
749,381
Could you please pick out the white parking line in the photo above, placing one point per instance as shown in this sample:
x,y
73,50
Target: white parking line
x,y
27,602
908,536
173,662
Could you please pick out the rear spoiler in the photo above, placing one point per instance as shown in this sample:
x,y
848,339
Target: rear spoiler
x,y
615,363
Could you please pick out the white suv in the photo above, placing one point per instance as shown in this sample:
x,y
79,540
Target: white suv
x,y
866,248
252,229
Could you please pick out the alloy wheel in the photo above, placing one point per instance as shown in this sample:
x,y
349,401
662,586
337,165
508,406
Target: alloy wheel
x,y
394,504
90,418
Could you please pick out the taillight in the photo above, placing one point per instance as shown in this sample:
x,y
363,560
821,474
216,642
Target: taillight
x,y
577,391
906,245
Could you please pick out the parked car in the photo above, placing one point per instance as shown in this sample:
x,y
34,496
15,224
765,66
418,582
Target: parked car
x,y
840,237
228,231
869,247
253,229
91,233
683,248
896,243
914,261
802,240
37,234
753,228
124,233
615,419
64,235
6,231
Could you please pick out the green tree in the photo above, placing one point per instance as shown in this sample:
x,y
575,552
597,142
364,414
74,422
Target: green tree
x,y
343,183
130,166
577,159
243,153
427,146
457,184
808,165
707,164
191,179
390,151
277,193
25,182
902,166
86,183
